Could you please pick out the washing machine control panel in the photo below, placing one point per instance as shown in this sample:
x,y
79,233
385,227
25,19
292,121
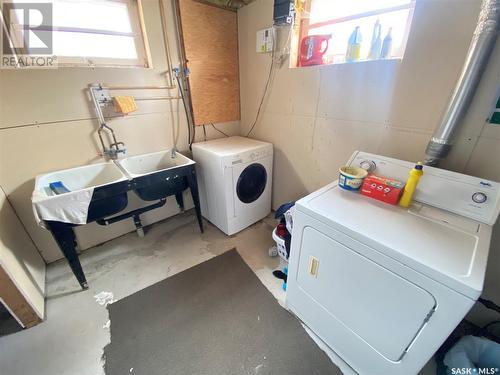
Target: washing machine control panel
x,y
468,196
250,156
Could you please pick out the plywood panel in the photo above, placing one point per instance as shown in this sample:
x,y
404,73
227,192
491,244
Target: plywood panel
x,y
210,37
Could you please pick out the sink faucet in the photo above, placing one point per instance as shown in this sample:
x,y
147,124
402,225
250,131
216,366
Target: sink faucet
x,y
115,149
100,97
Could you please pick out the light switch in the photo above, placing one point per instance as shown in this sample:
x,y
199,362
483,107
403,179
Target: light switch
x,y
313,266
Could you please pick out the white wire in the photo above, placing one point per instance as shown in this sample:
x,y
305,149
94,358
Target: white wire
x,y
266,87
285,51
275,61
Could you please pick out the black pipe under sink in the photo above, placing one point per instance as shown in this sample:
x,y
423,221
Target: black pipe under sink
x,y
100,208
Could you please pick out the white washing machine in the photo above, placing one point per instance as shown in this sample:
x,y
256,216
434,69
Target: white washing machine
x,y
235,181
383,286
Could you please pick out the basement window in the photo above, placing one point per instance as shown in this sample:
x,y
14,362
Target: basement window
x,y
340,31
89,32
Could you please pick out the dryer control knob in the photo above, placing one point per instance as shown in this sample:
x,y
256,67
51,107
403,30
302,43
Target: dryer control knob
x,y
479,197
368,165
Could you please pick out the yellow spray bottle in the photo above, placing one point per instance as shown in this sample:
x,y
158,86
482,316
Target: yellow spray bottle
x,y
411,185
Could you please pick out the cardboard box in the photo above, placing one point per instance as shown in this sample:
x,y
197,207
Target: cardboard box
x,y
383,189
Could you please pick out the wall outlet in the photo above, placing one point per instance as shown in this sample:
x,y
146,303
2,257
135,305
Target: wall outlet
x,y
265,40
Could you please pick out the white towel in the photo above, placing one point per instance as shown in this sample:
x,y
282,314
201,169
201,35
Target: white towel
x,y
71,207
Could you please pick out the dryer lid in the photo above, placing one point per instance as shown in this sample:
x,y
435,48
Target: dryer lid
x,y
448,248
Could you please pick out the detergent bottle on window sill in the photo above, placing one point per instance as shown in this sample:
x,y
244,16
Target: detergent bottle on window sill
x,y
354,45
385,53
376,45
411,185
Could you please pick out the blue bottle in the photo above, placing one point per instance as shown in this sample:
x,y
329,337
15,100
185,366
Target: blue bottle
x,y
376,45
387,45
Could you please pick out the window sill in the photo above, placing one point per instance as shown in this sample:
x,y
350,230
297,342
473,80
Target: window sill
x,y
389,60
97,66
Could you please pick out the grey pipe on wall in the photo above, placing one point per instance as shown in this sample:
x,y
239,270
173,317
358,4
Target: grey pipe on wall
x,y
480,48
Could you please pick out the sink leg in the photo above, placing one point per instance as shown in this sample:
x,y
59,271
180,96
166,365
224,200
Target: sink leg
x,y
180,201
193,186
65,237
138,226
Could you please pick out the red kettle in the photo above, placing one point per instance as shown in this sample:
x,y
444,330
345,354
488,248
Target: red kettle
x,y
312,49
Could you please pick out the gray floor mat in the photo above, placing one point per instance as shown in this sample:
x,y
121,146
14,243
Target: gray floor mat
x,y
213,319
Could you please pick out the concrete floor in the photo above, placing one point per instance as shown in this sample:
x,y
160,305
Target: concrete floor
x,y
72,338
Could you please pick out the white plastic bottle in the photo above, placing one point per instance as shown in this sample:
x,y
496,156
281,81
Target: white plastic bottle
x,y
376,45
387,45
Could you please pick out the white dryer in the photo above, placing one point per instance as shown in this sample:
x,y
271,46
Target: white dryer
x,y
235,181
384,286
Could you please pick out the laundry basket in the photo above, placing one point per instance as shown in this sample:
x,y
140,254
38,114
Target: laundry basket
x,y
280,245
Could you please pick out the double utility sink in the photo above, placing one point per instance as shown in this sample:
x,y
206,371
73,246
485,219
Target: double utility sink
x,y
152,177
107,173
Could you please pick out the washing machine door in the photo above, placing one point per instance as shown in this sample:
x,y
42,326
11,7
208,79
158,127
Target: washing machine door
x,y
250,197
251,183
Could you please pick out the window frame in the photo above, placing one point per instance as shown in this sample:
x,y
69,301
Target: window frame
x,y
304,26
143,60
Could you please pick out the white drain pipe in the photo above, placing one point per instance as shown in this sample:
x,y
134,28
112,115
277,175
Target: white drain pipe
x,y
481,46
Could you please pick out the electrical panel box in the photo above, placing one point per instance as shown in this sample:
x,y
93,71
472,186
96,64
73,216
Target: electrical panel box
x,y
265,40
283,12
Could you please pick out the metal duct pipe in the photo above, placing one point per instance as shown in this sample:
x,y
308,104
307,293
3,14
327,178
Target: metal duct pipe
x,y
481,46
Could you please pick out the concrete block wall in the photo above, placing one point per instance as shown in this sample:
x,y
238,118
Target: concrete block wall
x,y
316,117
